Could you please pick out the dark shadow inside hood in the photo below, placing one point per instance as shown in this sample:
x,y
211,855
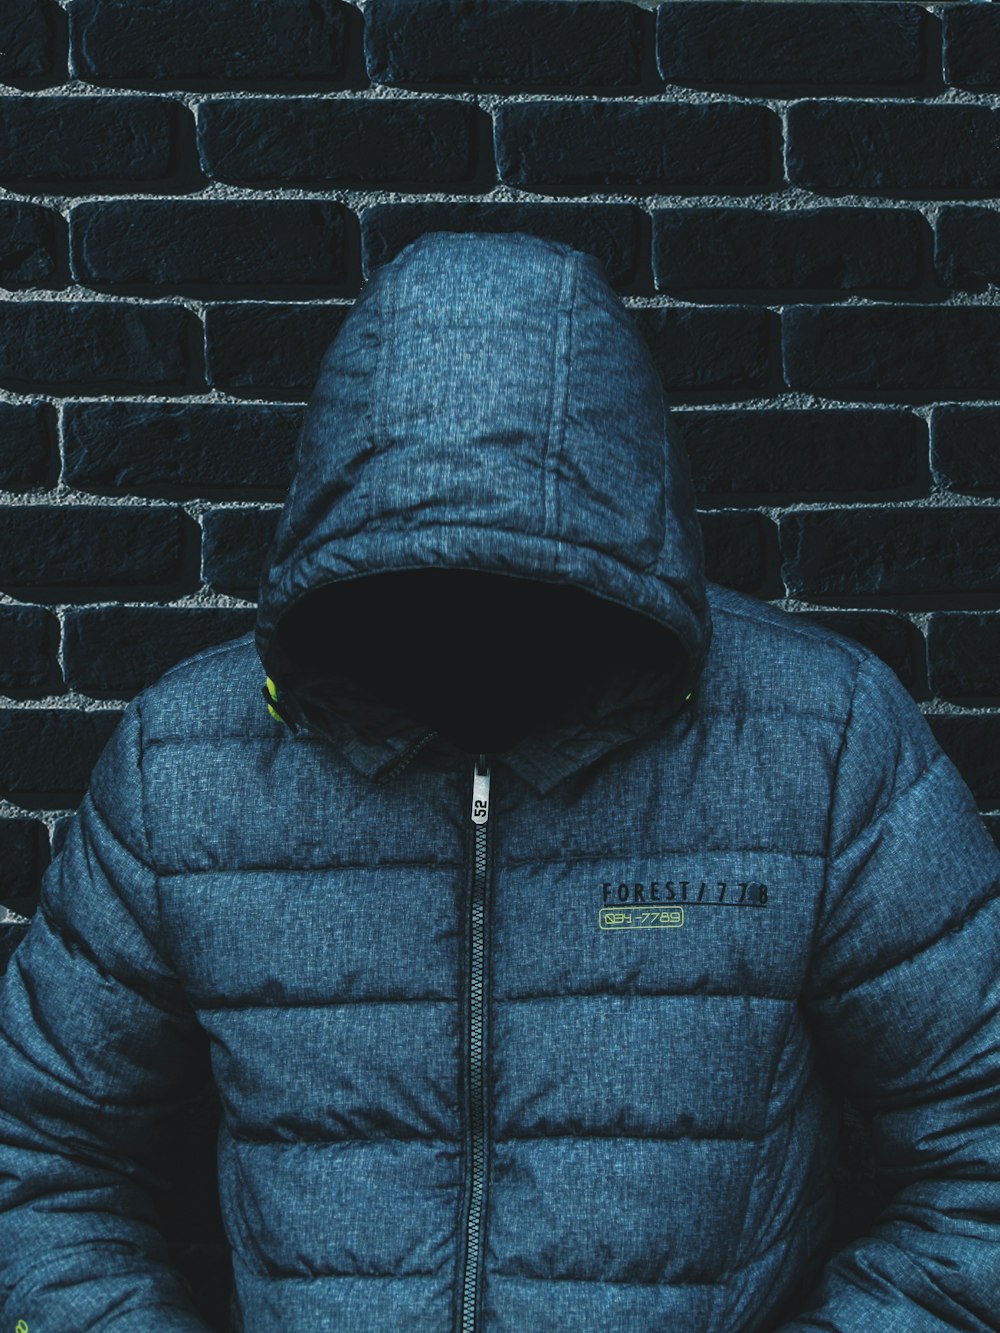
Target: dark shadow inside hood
x,y
484,659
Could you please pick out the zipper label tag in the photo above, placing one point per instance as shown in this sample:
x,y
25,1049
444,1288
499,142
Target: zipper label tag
x,y
480,796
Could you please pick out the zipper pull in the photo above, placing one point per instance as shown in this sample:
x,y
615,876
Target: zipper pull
x,y
481,791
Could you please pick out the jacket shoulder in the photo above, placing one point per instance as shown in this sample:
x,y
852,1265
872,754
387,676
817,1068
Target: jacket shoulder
x,y
215,692
764,659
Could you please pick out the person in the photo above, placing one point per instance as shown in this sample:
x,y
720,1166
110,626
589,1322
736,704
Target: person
x,y
533,898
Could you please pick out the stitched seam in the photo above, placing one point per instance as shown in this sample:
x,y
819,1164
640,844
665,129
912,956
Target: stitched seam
x,y
75,943
500,999
893,802
815,633
700,850
154,946
704,710
558,382
312,870
285,1276
147,861
740,994
239,642
666,1282
139,861
781,1047
81,1092
957,924
821,904
603,555
503,865
456,1142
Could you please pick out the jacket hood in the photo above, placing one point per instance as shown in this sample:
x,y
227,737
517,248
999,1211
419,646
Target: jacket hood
x,y
488,517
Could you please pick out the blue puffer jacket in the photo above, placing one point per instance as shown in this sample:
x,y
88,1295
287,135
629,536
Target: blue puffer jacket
x,y
535,924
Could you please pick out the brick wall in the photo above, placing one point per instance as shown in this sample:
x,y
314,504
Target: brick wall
x,y
797,200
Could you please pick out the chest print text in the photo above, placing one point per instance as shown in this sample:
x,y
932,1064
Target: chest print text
x,y
660,904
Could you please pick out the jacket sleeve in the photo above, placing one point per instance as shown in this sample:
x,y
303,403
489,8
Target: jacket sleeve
x,y
903,996
97,1044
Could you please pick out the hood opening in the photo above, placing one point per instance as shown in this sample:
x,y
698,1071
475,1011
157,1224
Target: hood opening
x,y
485,659
491,531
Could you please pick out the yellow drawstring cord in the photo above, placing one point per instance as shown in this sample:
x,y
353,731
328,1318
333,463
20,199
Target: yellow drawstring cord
x,y
273,693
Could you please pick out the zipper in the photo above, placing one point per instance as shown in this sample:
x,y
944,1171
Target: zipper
x,y
477,1049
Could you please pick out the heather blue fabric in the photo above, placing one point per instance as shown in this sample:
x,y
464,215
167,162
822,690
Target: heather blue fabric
x,y
729,874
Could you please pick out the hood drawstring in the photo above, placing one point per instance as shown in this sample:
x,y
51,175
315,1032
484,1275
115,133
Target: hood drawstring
x,y
270,693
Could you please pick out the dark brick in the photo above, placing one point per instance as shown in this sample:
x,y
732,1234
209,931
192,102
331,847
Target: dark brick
x,y
11,935
72,546
186,448
29,647
924,349
80,343
609,231
891,146
261,346
738,549
415,144
185,244
796,453
640,148
972,744
718,41
88,140
47,755
225,42
234,547
963,650
24,855
504,43
896,640
28,32
30,240
839,249
967,248
27,438
964,454
720,348
970,36
888,552
114,652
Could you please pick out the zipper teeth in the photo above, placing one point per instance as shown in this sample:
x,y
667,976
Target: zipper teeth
x,y
476,1057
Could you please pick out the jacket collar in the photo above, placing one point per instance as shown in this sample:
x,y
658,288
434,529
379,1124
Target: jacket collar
x,y
383,750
